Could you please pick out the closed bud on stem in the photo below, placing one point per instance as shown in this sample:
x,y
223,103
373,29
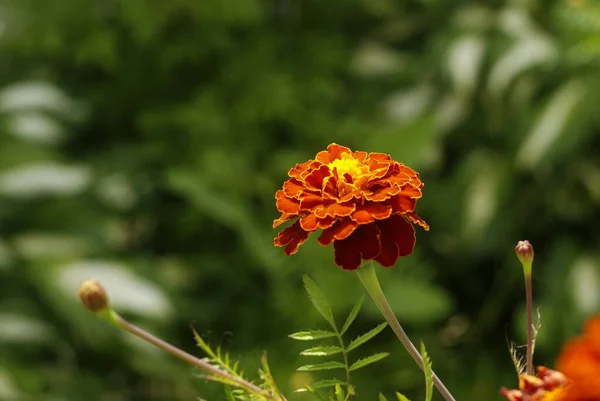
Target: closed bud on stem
x,y
93,296
525,254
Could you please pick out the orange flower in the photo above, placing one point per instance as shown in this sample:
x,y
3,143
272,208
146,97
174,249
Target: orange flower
x,y
548,385
579,360
363,203
579,376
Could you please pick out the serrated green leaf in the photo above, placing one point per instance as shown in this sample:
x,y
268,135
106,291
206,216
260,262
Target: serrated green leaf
x,y
353,314
401,397
361,363
318,300
322,351
428,373
312,335
382,397
322,366
366,337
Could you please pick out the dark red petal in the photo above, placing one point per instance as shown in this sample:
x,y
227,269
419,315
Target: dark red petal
x,y
363,244
292,237
397,239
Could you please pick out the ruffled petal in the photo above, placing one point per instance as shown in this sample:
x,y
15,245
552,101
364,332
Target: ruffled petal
x,y
414,218
293,188
336,209
287,205
368,212
292,237
314,180
338,231
296,171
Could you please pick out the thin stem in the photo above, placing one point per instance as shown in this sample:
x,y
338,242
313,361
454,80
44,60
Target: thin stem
x,y
529,303
252,388
345,356
368,277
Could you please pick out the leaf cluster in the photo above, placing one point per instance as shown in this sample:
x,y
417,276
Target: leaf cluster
x,y
340,389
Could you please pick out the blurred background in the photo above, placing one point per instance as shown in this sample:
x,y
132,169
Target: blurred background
x,y
142,142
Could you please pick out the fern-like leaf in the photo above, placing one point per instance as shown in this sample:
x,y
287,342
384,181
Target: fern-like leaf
x,y
322,366
366,337
428,373
353,313
361,363
318,300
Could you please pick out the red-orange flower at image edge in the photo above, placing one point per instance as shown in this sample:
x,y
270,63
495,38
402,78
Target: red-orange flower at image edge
x,y
579,360
578,375
363,203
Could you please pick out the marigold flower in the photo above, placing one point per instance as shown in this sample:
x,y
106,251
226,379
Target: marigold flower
x,y
579,360
363,203
578,375
547,385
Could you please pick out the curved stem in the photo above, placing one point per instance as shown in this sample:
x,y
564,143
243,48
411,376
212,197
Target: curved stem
x,y
368,277
117,320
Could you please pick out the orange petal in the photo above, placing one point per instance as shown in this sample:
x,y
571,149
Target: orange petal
x,y
312,202
397,239
292,237
293,188
379,156
368,212
296,171
309,222
314,180
336,209
402,203
360,156
381,193
284,217
287,205
363,244
339,231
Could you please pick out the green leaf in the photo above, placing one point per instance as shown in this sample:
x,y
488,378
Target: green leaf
x,y
428,373
327,383
322,366
361,363
318,300
322,351
401,397
312,335
382,397
366,337
353,314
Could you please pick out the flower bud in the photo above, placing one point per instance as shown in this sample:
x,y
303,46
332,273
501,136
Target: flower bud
x,y
93,296
525,254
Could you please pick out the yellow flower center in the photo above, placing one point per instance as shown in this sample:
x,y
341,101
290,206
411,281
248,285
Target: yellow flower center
x,y
350,165
554,395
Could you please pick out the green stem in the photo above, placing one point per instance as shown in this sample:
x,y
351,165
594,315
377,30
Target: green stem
x,y
529,304
368,277
118,321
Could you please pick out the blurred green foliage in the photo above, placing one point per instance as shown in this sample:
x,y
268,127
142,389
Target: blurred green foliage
x,y
143,141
